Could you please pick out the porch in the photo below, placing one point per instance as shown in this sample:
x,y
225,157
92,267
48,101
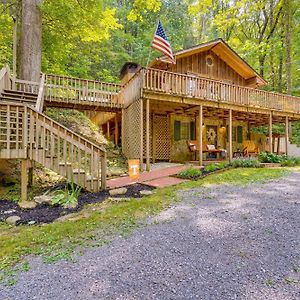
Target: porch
x,y
155,130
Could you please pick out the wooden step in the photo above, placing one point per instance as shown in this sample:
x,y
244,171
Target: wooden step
x,y
20,93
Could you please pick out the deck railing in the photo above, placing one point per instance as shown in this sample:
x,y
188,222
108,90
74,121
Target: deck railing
x,y
213,90
71,89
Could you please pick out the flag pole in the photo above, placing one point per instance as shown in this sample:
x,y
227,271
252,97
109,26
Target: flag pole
x,y
150,51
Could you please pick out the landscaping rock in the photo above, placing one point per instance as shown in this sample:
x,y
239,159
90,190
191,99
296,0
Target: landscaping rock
x,y
31,222
120,191
115,171
27,204
116,199
146,193
46,199
71,205
12,220
7,212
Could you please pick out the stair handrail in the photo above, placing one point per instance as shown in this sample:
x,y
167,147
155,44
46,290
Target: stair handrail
x,y
40,99
4,78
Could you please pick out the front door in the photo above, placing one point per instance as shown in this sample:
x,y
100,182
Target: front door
x,y
161,137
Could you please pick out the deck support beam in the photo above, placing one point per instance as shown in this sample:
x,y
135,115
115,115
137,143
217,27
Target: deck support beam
x,y
286,134
141,135
147,135
116,130
24,179
200,135
271,132
122,129
108,131
230,136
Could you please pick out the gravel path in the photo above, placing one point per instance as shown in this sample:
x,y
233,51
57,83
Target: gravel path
x,y
225,242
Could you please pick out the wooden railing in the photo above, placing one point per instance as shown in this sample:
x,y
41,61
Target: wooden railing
x,y
76,90
132,90
41,95
27,86
213,90
5,81
26,133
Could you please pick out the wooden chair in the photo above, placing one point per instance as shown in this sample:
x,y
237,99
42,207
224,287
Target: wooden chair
x,y
250,148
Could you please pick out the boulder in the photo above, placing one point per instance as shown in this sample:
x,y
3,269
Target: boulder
x,y
12,220
120,191
7,212
27,204
46,199
146,193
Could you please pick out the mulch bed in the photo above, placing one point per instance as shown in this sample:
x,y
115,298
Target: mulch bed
x,y
43,213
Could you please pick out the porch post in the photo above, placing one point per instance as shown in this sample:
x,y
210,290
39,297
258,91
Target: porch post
x,y
286,134
200,135
116,130
141,135
271,133
24,179
122,129
230,136
147,135
108,130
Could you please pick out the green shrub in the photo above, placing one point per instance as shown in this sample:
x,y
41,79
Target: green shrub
x,y
191,173
68,197
266,157
211,168
222,165
245,163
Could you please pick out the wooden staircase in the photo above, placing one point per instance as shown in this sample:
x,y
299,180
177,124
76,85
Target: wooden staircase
x,y
28,134
14,96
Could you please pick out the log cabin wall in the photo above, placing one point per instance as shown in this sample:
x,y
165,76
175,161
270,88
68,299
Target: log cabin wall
x,y
198,64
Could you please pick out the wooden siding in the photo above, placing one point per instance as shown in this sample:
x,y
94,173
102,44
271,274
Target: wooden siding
x,y
196,64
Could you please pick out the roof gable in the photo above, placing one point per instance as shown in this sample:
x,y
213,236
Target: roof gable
x,y
222,50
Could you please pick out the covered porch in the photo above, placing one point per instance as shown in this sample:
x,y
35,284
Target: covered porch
x,y
155,130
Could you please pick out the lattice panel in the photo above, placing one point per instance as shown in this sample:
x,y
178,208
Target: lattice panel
x,y
132,130
161,137
150,135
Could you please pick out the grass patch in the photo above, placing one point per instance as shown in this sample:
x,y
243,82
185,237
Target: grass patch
x,y
58,240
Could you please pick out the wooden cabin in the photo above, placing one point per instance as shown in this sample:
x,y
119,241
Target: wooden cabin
x,y
210,99
210,95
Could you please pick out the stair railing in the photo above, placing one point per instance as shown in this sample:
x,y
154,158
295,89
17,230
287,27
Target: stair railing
x,y
26,133
40,99
5,80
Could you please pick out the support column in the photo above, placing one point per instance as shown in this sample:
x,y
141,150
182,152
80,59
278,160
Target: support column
x,y
230,136
147,135
200,135
116,130
108,131
286,134
141,136
122,129
271,133
24,179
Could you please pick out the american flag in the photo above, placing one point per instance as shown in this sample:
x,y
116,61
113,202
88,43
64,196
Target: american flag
x,y
160,42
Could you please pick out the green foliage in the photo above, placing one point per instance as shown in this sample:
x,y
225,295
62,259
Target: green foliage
x,y
284,160
68,197
245,163
191,173
211,168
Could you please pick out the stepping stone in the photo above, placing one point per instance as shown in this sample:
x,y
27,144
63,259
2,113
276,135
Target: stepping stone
x,y
27,204
120,191
164,182
12,220
146,193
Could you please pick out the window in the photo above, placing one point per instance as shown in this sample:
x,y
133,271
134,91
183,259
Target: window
x,y
240,134
237,134
184,130
209,60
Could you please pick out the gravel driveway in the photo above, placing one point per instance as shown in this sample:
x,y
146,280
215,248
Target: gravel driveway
x,y
224,242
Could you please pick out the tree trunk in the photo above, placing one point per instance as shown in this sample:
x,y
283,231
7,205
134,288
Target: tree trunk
x,y
31,41
288,60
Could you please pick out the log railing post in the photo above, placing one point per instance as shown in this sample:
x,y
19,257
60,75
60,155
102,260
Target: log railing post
x,y
286,134
230,136
200,135
271,133
148,135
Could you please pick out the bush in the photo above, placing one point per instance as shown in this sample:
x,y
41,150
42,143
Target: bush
x,y
284,160
211,168
68,197
245,163
191,173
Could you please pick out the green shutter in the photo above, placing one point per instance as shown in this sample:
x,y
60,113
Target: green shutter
x,y
192,131
240,134
177,130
